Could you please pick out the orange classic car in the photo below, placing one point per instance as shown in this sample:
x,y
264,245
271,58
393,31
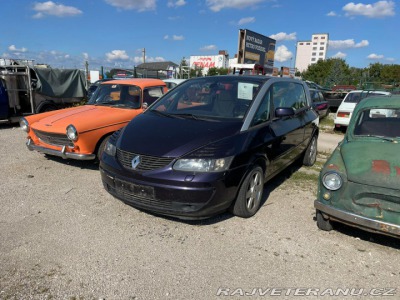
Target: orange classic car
x,y
81,132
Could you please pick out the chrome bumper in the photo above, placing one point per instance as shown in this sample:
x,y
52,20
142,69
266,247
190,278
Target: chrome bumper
x,y
63,153
357,220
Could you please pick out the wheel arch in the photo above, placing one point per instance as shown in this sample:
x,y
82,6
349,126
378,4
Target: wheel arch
x,y
47,105
100,141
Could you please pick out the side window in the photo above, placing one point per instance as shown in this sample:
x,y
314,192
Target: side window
x,y
315,96
263,112
152,94
289,94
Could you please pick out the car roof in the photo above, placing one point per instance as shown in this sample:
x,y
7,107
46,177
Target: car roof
x,y
176,80
141,82
379,101
369,91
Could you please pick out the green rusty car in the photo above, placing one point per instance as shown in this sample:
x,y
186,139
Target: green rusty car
x,y
359,184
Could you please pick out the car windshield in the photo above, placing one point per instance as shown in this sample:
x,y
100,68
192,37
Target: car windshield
x,y
221,97
117,95
378,122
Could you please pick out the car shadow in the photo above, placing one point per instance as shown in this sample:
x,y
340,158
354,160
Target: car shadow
x,y
269,187
82,164
9,125
357,233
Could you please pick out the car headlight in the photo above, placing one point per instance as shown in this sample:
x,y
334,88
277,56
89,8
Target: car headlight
x,y
72,133
203,164
23,123
332,181
110,148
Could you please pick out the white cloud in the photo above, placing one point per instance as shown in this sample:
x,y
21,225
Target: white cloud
x,y
15,49
246,20
85,55
391,59
138,5
50,8
178,37
208,48
117,55
283,54
346,44
331,14
374,56
282,36
174,37
339,55
176,3
139,59
377,10
217,5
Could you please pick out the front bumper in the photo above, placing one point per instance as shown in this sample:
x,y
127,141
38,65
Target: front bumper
x,y
60,153
359,221
176,198
341,122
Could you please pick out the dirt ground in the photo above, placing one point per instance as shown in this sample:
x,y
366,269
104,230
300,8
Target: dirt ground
x,y
64,237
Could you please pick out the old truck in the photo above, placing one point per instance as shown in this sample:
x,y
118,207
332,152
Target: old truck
x,y
26,90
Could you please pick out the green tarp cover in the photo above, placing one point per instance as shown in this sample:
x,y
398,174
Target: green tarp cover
x,y
62,83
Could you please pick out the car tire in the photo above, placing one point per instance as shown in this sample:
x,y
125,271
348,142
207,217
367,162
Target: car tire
x,y
322,223
250,193
310,155
101,148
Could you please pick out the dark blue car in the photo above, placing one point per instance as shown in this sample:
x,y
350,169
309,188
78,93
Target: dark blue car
x,y
210,144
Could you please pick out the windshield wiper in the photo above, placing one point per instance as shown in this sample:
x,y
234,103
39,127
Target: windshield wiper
x,y
161,113
194,117
191,116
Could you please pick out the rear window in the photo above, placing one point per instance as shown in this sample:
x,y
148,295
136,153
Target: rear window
x,y
356,97
353,98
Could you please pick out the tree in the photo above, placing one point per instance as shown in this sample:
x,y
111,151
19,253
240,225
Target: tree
x,y
217,71
328,72
390,74
212,71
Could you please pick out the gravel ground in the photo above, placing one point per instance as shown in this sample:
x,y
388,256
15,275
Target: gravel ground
x,y
63,237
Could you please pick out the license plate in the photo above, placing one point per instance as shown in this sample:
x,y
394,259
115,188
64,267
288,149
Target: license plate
x,y
136,189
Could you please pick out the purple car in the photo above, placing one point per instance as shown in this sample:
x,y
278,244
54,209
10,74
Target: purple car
x,y
210,144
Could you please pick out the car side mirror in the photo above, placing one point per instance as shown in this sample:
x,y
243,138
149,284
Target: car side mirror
x,y
281,112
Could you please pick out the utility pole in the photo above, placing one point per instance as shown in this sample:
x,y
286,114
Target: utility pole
x,y
144,55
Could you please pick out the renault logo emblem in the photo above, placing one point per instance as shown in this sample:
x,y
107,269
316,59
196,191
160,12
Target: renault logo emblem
x,y
135,161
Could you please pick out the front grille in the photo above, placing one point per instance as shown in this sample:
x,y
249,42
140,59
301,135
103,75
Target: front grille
x,y
147,163
54,139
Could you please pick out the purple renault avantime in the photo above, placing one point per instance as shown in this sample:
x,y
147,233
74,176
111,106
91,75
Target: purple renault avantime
x,y
210,144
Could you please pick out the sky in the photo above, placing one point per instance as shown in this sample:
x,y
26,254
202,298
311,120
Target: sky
x,y
116,33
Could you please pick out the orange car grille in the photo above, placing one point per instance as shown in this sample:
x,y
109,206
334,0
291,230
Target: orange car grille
x,y
54,139
147,163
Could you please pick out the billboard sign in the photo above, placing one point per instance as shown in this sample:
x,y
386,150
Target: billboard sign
x,y
255,48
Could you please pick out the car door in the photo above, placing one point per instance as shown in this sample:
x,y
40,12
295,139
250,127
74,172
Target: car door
x,y
282,135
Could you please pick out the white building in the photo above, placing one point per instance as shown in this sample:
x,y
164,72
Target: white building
x,y
205,62
309,52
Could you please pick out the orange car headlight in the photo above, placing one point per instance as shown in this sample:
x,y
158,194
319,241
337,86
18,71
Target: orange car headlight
x,y
72,133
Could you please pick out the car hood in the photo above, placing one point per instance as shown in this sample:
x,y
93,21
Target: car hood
x,y
162,136
374,162
85,118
